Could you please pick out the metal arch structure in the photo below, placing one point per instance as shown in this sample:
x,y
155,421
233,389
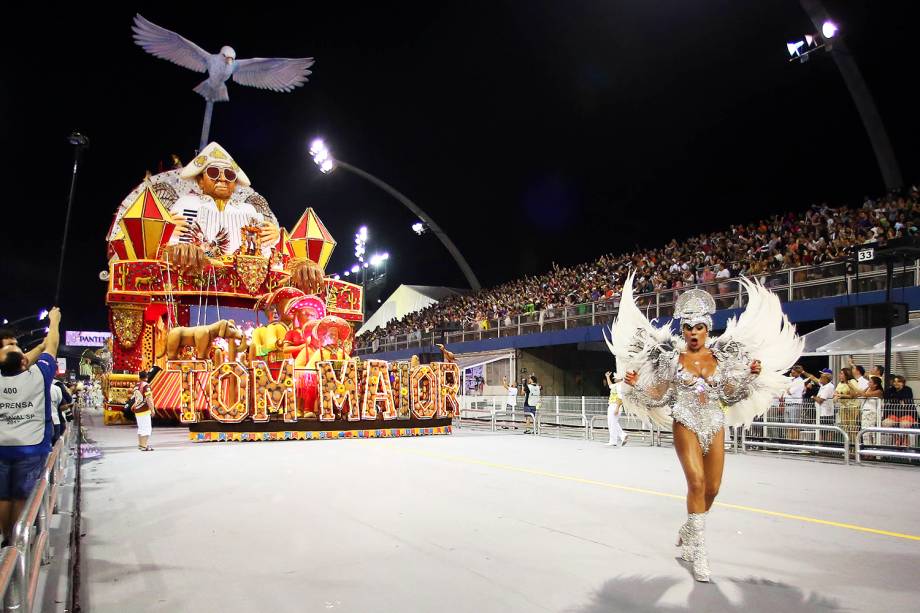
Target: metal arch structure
x,y
442,236
862,98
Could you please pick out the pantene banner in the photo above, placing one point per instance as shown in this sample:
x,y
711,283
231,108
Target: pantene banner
x,y
78,338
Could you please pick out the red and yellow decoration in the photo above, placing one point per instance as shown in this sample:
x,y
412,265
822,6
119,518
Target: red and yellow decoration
x,y
145,227
127,323
311,240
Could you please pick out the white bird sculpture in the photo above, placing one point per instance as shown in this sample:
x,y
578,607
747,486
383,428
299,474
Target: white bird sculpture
x,y
276,74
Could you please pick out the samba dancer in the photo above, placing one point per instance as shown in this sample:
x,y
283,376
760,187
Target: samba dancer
x,y
697,384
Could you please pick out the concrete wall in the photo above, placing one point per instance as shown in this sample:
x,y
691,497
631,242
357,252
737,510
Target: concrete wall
x,y
565,370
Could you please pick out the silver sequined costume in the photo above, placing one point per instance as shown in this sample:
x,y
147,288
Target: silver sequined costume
x,y
694,401
732,395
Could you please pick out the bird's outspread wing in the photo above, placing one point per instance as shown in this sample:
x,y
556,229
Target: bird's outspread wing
x,y
275,73
167,45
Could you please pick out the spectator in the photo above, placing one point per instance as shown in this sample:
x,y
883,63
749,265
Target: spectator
x,y
57,398
617,436
847,397
25,421
872,405
861,381
532,399
792,413
512,391
8,337
899,407
820,235
825,402
142,406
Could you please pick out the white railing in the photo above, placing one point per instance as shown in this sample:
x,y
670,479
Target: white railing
x,y
791,284
798,428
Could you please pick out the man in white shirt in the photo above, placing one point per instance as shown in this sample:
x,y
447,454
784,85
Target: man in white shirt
x,y
56,398
793,400
512,391
825,401
722,276
862,382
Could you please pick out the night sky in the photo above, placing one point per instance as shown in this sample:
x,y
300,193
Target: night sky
x,y
531,131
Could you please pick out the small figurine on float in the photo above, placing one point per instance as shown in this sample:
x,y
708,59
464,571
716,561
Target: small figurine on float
x,y
201,339
267,341
333,334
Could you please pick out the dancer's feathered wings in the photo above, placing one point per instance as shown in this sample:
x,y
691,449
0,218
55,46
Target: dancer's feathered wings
x,y
762,332
649,350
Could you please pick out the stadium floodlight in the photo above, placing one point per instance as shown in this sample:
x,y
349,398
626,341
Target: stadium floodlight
x,y
360,243
829,29
322,157
794,47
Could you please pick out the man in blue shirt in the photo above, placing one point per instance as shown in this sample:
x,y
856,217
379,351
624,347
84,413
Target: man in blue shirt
x,y
25,421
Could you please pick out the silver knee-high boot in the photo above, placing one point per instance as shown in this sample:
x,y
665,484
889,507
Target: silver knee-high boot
x,y
697,528
684,542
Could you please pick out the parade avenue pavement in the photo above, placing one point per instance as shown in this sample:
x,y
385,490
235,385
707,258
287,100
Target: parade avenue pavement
x,y
482,522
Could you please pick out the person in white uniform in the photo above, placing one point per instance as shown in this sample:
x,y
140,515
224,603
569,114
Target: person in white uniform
x,y
618,437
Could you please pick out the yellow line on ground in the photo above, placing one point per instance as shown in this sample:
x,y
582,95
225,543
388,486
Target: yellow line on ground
x,y
639,490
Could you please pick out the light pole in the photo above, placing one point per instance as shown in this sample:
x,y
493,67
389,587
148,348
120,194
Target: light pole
x,y
79,143
327,163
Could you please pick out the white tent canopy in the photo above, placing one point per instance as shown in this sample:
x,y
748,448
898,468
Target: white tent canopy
x,y
405,300
830,341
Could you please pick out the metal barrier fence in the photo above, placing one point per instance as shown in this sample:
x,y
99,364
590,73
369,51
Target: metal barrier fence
x,y
912,435
786,427
759,439
20,564
790,284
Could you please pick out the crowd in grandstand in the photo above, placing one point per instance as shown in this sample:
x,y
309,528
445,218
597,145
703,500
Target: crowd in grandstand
x,y
822,234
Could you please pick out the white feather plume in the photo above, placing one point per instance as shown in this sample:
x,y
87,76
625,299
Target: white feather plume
x,y
636,343
765,333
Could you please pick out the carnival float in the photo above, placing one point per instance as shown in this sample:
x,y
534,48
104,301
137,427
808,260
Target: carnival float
x,y
248,339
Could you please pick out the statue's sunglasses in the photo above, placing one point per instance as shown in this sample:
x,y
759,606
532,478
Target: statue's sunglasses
x,y
214,173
